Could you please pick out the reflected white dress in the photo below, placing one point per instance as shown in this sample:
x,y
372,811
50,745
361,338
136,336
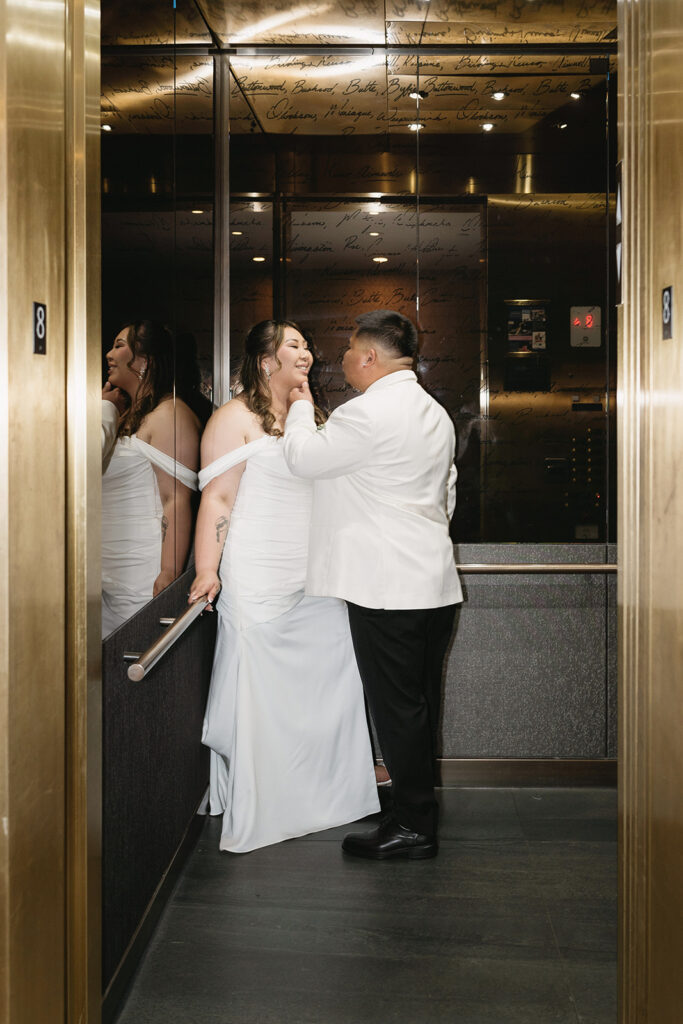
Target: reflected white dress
x,y
285,717
131,526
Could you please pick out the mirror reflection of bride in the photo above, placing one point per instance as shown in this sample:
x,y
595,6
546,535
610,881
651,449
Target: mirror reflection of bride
x,y
151,472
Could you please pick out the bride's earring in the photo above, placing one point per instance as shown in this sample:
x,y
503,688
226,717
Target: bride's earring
x,y
141,371
267,369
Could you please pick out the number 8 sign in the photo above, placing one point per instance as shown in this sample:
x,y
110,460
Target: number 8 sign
x,y
39,328
667,312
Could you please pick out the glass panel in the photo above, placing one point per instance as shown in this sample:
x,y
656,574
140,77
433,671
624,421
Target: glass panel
x,y
157,263
474,196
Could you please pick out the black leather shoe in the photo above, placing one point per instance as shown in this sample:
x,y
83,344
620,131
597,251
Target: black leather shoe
x,y
390,839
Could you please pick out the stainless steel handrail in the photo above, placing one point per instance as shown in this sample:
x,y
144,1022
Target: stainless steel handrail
x,y
536,567
138,671
176,628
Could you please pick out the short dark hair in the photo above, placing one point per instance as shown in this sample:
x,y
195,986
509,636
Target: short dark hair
x,y
392,330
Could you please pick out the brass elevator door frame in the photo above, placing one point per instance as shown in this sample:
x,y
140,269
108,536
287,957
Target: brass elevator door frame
x,y
49,505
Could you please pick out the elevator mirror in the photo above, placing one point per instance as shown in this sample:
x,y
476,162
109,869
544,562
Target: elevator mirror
x,y
479,200
157,263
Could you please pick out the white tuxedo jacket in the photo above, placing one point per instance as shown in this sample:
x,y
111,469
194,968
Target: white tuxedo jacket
x,y
383,498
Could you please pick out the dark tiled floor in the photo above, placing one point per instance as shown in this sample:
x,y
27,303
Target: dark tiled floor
x,y
513,923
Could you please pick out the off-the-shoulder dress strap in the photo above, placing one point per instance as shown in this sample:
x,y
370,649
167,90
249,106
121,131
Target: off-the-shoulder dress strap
x,y
232,459
167,463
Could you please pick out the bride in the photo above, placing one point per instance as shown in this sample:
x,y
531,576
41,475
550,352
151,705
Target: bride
x,y
285,718
150,474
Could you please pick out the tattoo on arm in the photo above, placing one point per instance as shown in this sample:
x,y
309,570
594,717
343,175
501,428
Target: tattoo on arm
x,y
221,528
164,528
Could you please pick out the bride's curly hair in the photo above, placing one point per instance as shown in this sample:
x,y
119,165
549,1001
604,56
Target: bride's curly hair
x,y
171,370
150,339
263,341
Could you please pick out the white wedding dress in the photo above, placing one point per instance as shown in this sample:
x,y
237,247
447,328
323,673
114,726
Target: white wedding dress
x,y
285,719
131,527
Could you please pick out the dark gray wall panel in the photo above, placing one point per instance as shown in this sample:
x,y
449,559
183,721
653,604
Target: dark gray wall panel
x,y
155,768
527,675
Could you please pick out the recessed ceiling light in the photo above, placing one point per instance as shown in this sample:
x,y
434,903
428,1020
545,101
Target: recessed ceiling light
x,y
375,234
415,126
563,125
575,95
106,127
418,94
498,95
488,127
379,259
236,232
259,259
198,211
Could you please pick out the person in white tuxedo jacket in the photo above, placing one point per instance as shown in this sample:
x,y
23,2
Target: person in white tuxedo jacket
x,y
383,500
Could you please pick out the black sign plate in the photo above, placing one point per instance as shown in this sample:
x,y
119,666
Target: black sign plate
x,y
39,328
667,312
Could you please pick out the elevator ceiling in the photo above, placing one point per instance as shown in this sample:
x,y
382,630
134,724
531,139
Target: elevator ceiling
x,y
366,92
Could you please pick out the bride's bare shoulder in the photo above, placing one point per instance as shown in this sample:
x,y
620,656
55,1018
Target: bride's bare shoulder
x,y
231,425
236,414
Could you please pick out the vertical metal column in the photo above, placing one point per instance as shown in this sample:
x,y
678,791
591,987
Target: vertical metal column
x,y
221,229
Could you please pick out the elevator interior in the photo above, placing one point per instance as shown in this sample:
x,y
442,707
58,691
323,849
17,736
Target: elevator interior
x,y
310,162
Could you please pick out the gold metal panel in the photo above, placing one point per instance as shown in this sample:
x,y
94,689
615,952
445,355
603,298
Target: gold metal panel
x,y
83,478
650,589
32,56
49,665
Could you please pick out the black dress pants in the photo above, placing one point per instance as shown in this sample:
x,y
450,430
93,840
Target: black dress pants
x,y
400,659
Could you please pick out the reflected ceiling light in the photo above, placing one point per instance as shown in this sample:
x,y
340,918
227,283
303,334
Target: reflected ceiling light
x,y
259,259
488,127
375,234
279,24
575,95
236,232
379,259
106,127
500,95
273,22
415,126
197,211
375,195
375,210
418,94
